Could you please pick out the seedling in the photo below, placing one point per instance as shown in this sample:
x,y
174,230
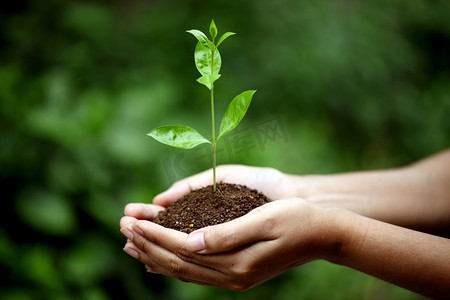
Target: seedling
x,y
208,62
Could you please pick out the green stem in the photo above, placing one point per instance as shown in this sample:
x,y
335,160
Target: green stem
x,y
213,138
213,124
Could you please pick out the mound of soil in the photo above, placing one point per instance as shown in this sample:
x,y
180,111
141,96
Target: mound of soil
x,y
204,207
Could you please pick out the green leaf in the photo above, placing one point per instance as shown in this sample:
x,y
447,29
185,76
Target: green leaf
x,y
235,112
224,36
201,37
203,61
208,80
213,30
178,136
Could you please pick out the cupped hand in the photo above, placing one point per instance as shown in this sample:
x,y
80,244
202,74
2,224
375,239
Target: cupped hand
x,y
238,254
273,183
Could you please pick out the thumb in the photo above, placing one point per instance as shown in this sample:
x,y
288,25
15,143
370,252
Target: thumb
x,y
252,227
181,188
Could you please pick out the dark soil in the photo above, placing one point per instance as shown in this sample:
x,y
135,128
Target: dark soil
x,y
204,207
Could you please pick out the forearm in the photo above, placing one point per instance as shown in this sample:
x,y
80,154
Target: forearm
x,y
414,260
417,196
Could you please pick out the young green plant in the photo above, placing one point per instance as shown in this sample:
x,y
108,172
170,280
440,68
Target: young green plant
x,y
208,62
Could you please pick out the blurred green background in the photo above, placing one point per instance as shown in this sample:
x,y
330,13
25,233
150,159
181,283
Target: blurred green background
x,y
355,85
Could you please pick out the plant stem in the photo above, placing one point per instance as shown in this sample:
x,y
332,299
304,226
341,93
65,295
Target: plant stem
x,y
213,137
213,124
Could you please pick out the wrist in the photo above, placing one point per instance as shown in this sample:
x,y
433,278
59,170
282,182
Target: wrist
x,y
340,232
311,186
339,190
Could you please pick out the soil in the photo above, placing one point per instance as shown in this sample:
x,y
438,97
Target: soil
x,y
204,207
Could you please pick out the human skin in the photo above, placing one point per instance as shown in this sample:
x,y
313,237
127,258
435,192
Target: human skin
x,y
331,217
416,196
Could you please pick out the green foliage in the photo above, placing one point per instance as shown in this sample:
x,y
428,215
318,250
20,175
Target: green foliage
x,y
204,62
208,80
235,112
213,31
202,38
224,36
208,62
47,213
178,136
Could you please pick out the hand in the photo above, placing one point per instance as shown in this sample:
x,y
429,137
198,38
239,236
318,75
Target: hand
x,y
241,253
273,183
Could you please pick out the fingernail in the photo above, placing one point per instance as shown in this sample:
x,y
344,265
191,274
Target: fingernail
x,y
137,229
131,252
127,233
196,241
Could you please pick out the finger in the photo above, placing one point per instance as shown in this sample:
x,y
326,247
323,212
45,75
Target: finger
x,y
183,187
168,263
150,270
174,242
142,211
126,221
171,240
254,226
134,251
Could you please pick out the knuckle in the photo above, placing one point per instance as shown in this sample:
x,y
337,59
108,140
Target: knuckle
x,y
183,253
247,270
144,245
140,242
227,239
174,267
269,223
240,271
239,286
